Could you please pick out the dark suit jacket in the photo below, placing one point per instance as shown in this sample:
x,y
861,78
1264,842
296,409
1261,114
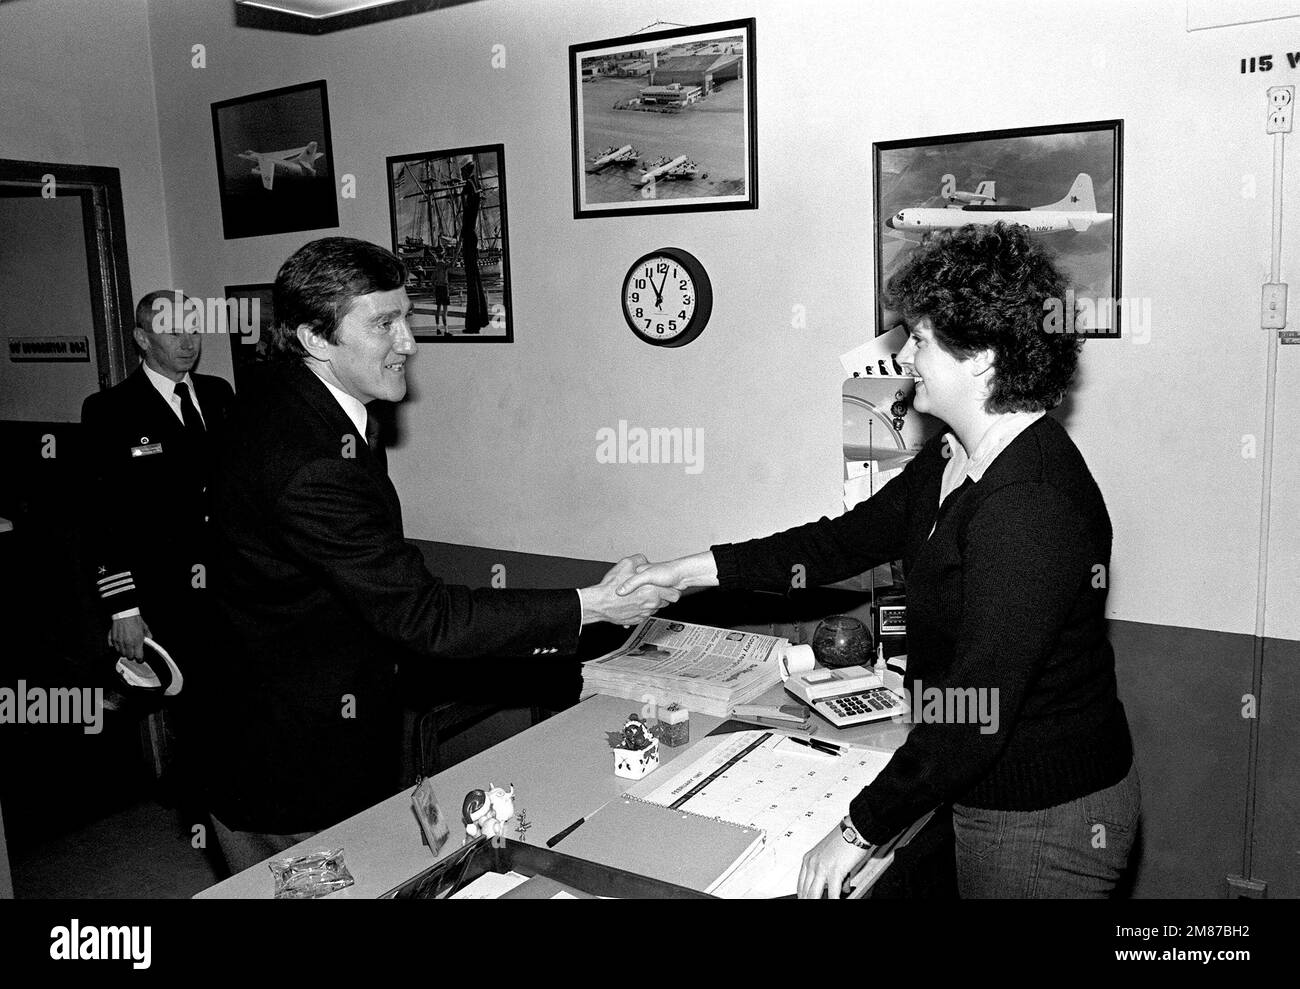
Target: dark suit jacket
x,y
320,597
148,493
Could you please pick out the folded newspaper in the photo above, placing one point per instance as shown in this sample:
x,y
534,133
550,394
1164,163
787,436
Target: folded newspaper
x,y
704,669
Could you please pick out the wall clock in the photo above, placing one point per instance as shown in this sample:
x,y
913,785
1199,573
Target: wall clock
x,y
667,297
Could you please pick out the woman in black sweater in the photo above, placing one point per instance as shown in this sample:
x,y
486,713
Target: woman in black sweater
x,y
1005,542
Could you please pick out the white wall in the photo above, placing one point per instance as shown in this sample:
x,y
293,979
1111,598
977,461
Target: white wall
x,y
76,80
500,446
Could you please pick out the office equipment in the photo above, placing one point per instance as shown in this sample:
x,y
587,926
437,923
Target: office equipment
x,y
851,695
768,781
794,714
668,844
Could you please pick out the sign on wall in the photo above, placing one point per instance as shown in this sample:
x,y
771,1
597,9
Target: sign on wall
x,y
47,350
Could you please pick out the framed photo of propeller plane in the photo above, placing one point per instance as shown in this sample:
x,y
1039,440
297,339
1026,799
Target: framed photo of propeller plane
x,y
1062,183
275,162
664,121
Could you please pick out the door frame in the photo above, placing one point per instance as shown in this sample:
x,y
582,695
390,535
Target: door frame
x,y
99,188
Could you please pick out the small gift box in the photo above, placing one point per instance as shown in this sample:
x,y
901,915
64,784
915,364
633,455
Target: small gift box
x,y
674,725
633,764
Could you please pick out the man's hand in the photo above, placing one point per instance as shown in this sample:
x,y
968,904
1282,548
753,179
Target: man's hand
x,y
603,603
827,865
127,636
700,570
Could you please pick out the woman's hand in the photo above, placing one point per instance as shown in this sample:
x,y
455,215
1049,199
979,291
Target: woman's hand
x,y
827,865
700,570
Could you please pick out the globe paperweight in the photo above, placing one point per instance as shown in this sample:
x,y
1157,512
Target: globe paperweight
x,y
842,640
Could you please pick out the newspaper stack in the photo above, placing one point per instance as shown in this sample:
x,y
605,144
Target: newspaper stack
x,y
704,669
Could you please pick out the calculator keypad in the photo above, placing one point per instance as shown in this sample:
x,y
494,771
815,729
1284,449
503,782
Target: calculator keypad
x,y
862,704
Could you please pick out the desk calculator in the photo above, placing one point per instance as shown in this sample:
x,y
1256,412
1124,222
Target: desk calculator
x,y
850,695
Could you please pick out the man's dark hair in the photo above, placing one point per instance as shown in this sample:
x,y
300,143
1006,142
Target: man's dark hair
x,y
318,284
991,287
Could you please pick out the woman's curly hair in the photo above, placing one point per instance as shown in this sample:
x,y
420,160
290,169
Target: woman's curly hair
x,y
991,287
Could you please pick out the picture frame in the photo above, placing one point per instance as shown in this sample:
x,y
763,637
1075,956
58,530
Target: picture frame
x,y
275,165
457,276
1063,181
665,122
249,322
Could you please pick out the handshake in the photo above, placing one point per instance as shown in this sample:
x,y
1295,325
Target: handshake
x,y
636,588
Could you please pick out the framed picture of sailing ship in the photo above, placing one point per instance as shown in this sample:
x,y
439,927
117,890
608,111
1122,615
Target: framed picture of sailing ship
x,y
448,214
664,122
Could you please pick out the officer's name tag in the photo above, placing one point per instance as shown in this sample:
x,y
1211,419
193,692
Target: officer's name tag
x,y
144,451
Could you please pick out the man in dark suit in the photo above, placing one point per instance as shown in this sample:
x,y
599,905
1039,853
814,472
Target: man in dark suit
x,y
150,447
320,594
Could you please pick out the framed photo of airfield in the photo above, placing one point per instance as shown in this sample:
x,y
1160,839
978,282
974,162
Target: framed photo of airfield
x,y
665,122
275,162
448,220
1062,183
248,324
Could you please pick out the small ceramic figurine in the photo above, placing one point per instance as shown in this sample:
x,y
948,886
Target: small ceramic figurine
x,y
487,813
636,750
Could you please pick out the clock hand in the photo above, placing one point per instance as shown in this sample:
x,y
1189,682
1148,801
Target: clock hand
x,y
659,292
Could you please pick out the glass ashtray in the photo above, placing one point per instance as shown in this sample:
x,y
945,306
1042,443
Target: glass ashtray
x,y
309,876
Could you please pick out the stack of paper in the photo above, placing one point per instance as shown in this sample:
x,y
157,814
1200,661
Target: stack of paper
x,y
704,669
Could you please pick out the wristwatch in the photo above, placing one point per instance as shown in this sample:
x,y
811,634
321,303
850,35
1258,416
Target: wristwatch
x,y
850,834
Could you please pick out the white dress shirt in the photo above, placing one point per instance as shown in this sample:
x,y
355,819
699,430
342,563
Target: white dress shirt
x,y
167,389
353,407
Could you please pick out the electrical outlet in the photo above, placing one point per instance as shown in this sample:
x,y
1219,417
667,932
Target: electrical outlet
x,y
1281,103
1246,889
1273,311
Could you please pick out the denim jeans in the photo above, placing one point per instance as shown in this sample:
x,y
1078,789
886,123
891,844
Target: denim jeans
x,y
1075,850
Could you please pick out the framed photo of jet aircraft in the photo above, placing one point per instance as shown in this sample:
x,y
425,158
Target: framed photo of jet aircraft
x,y
448,219
275,162
1062,183
665,122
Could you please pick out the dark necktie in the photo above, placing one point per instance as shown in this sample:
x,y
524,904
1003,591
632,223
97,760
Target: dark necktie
x,y
193,421
372,441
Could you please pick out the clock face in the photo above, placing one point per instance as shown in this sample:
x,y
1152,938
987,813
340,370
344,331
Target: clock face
x,y
667,298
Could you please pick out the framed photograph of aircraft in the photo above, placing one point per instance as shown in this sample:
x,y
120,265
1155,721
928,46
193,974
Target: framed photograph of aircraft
x,y
448,220
275,162
665,122
248,324
1062,183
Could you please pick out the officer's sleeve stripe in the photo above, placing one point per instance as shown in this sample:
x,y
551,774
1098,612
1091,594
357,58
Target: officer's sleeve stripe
x,y
115,577
119,590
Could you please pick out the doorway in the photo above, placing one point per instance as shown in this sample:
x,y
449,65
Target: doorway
x,y
64,333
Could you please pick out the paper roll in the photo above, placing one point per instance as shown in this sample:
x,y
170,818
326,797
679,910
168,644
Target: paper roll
x,y
796,659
